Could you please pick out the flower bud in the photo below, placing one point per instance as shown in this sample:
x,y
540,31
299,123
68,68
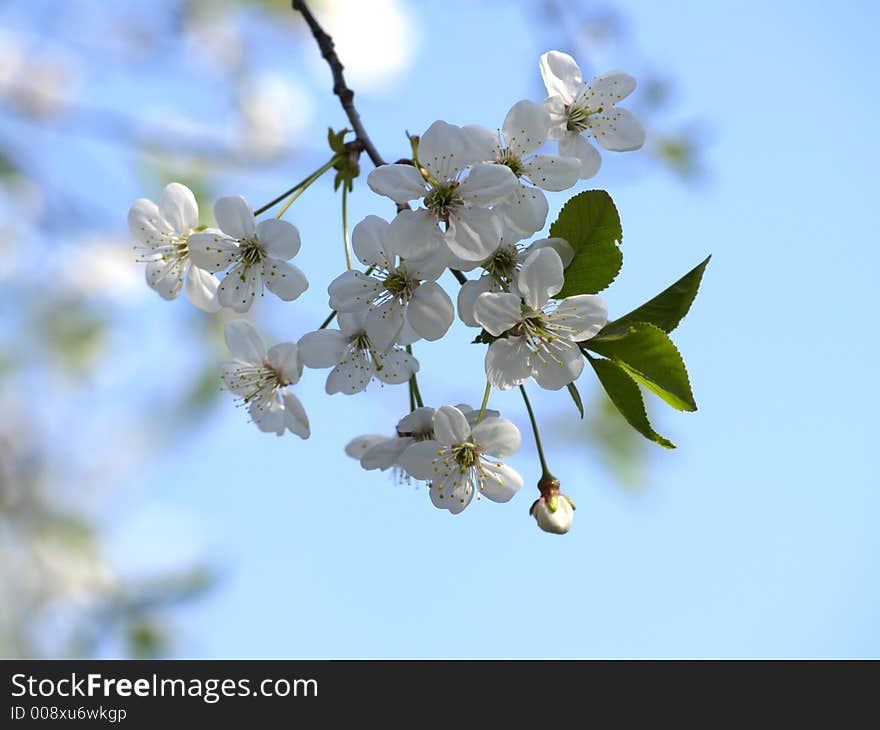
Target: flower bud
x,y
553,514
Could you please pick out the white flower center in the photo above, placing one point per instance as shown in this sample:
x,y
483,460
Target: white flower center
x,y
544,336
578,116
443,199
458,467
258,382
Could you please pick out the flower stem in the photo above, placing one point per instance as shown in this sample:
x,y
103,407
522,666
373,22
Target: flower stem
x,y
482,412
545,471
301,184
414,385
345,235
326,322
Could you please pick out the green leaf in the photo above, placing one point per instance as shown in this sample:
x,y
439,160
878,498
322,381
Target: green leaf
x,y
590,223
648,355
626,396
576,397
668,308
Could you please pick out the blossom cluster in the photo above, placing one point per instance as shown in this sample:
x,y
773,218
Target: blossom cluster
x,y
468,201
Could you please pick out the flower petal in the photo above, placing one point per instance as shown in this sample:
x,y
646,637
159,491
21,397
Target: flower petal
x,y
524,212
497,437
507,363
239,287
582,316
212,251
165,276
453,491
450,426
552,373
486,184
353,291
368,240
575,145
485,142
401,183
352,323
385,454
351,375
201,289
473,234
445,150
278,238
430,311
244,342
501,482
562,76
322,348
560,245
360,445
268,415
285,356
420,421
235,217
178,206
147,225
396,366
420,459
295,417
618,130
553,172
540,278
497,312
526,127
467,297
284,279
414,234
606,90
384,324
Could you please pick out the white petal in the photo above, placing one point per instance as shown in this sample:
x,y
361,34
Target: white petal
x,y
487,184
201,288
445,150
501,481
562,76
235,382
575,145
212,251
420,421
524,212
558,522
450,426
414,234
353,291
467,297
295,417
430,267
384,324
540,278
401,183
360,445
407,335
244,342
396,366
239,287
618,130
269,415
147,225
165,276
285,357
279,239
582,315
284,279
526,127
430,311
452,492
420,459
606,90
485,142
507,363
178,206
473,234
368,239
558,113
497,437
560,245
385,454
235,217
322,348
556,372
497,312
350,376
352,323
552,172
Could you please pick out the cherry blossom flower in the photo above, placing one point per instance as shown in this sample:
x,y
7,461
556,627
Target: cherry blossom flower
x,y
163,233
536,338
261,379
578,110
353,357
459,201
402,300
462,459
554,514
525,130
257,253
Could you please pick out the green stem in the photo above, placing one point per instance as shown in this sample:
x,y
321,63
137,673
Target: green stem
x,y
485,401
326,322
308,181
414,385
345,235
545,471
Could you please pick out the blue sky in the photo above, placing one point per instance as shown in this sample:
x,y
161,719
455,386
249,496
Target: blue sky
x,y
757,537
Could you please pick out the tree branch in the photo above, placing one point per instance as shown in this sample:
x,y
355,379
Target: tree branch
x,y
340,88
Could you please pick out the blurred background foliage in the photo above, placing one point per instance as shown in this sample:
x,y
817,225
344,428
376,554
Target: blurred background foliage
x,y
69,285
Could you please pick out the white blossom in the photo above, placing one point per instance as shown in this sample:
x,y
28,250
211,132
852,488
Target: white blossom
x,y
257,254
462,459
553,515
578,110
459,201
525,130
353,357
401,298
164,234
262,378
536,338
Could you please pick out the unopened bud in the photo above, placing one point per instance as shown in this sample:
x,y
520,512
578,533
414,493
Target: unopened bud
x,y
553,514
